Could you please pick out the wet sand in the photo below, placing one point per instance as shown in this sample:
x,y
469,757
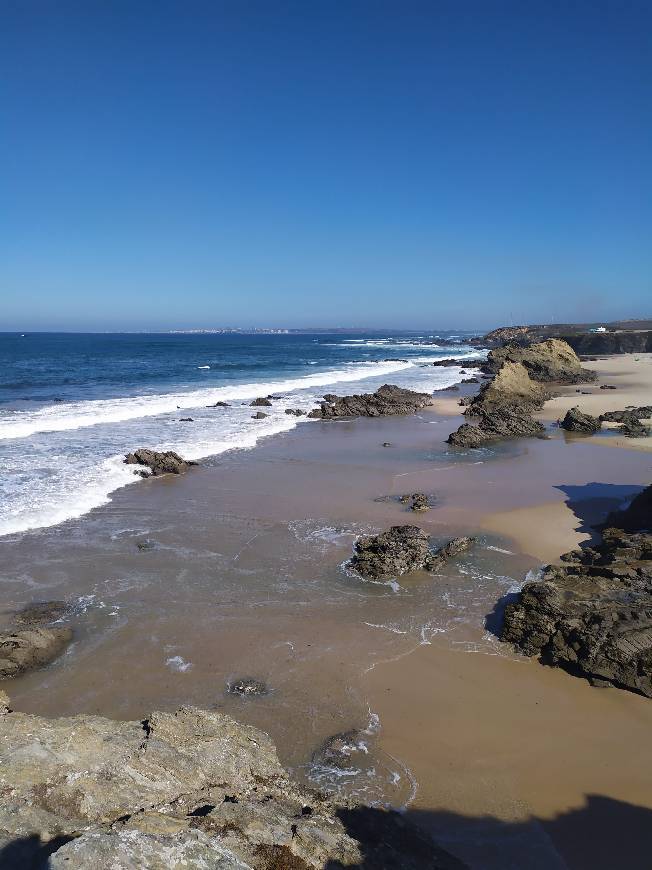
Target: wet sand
x,y
246,577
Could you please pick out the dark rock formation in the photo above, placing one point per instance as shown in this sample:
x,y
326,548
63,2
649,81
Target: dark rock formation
x,y
246,687
399,550
610,342
592,615
190,788
159,462
261,402
465,362
507,333
186,420
577,421
608,387
495,425
470,381
634,429
642,413
453,548
259,415
630,419
42,613
418,501
297,412
387,400
219,405
546,361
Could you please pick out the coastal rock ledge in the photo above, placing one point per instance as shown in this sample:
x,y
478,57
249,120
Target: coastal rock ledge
x,y
402,549
387,400
592,615
158,461
189,789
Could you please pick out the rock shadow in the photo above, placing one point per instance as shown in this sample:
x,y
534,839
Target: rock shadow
x,y
593,502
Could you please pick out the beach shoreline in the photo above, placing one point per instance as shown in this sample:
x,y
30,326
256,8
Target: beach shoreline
x,y
277,523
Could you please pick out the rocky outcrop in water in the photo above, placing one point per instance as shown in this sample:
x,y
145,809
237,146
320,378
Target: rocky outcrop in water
x,y
577,421
387,400
399,550
190,786
550,361
630,420
296,412
498,425
465,362
159,462
503,409
259,415
35,638
261,402
592,615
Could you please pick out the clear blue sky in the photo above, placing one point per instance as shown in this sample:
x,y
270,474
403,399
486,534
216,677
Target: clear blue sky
x,y
408,164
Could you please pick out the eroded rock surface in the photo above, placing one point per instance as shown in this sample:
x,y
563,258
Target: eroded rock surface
x,y
399,550
190,786
550,361
577,421
387,400
35,639
592,615
158,461
496,425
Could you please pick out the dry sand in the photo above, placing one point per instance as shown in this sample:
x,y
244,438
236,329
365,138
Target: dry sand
x,y
518,765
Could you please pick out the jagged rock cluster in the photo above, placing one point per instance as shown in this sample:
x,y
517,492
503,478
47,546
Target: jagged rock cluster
x,y
577,421
399,550
387,400
158,462
505,406
190,788
630,420
592,615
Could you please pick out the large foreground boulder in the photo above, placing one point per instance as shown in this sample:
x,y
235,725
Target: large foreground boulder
x,y
158,461
190,788
550,361
592,615
387,400
399,550
577,421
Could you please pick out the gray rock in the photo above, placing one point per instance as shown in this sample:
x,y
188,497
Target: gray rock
x,y
399,550
297,412
387,400
261,402
246,687
592,615
577,421
191,789
127,850
496,425
259,415
159,462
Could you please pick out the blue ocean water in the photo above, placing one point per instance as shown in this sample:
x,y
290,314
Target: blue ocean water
x,y
71,405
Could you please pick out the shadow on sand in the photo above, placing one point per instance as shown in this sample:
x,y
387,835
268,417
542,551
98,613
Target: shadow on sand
x,y
592,502
604,834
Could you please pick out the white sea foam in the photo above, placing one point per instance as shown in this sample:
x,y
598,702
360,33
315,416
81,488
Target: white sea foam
x,y
63,460
75,415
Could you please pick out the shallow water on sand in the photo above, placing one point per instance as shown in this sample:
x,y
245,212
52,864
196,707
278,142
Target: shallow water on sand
x,y
244,575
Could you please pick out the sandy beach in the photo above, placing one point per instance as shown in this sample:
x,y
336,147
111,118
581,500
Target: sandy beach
x,y
508,763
